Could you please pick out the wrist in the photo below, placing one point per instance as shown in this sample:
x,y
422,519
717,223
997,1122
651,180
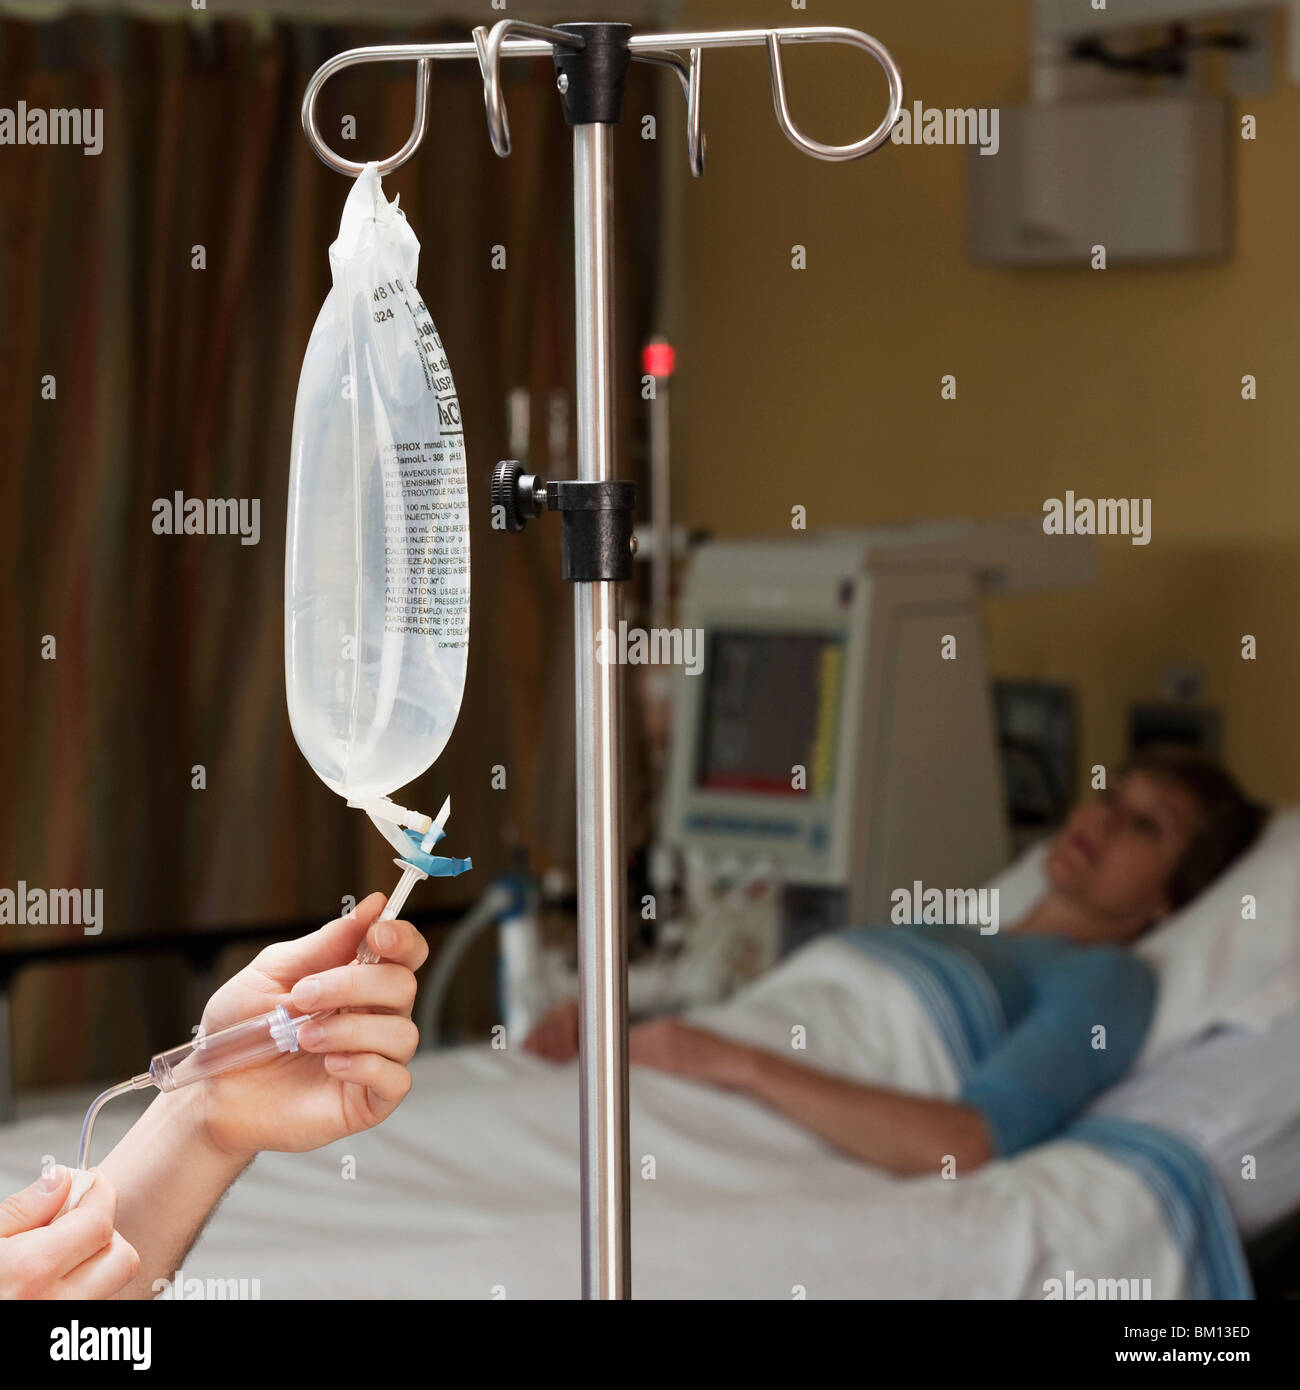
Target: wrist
x,y
741,1067
183,1115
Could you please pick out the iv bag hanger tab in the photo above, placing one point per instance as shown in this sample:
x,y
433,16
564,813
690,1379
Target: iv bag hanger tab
x,y
381,808
591,63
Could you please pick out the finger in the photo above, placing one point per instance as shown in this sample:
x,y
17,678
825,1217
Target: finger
x,y
654,1062
333,944
386,1081
559,1049
542,1040
561,1021
77,1234
552,1034
35,1205
537,1032
398,942
545,1047
388,1035
357,987
647,1048
107,1272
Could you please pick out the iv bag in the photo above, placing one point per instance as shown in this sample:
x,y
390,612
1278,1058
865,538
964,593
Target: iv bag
x,y
377,560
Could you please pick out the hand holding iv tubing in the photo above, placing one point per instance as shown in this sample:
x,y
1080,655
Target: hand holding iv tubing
x,y
275,1033
258,1039
352,1071
178,1158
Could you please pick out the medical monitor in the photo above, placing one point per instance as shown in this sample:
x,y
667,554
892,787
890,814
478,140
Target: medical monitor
x,y
841,730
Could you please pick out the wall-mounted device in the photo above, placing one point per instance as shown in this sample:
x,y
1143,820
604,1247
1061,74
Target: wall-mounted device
x,y
1059,26
1146,179
1126,148
1038,729
1192,726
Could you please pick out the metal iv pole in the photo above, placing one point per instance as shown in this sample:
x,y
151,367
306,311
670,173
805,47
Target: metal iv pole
x,y
602,857
596,509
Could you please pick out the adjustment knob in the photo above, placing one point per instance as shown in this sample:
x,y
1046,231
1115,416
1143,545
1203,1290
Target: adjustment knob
x,y
516,493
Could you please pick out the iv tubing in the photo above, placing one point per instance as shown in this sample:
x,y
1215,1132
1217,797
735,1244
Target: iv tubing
x,y
136,1083
241,1044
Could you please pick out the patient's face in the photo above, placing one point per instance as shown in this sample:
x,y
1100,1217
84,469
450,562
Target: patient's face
x,y
1117,852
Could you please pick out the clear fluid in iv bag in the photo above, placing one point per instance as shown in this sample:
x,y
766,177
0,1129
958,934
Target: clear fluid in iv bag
x,y
377,561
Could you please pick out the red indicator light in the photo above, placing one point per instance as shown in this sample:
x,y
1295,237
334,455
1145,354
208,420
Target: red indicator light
x,y
658,359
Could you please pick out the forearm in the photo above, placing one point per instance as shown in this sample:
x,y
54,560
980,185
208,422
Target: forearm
x,y
902,1133
168,1176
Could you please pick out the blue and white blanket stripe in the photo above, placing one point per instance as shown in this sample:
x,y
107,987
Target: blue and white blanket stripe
x,y
1195,1209
965,1011
957,994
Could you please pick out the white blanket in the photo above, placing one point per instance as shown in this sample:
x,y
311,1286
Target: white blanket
x,y
471,1189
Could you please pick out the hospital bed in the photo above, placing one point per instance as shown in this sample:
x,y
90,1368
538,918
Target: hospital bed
x,y
470,1189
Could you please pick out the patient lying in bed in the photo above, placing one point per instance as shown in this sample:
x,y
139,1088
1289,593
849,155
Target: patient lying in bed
x,y
1049,1015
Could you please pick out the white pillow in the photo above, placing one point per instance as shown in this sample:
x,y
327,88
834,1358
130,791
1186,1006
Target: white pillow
x,y
1213,967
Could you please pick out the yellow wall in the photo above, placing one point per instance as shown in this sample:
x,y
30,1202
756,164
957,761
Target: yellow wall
x,y
825,383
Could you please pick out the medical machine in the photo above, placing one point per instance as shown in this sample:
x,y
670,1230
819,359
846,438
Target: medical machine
x,y
840,738
834,738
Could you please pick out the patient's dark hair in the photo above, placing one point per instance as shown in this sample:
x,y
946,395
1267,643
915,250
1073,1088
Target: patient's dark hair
x,y
1230,824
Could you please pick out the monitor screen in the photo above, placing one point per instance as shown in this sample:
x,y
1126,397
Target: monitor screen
x,y
771,706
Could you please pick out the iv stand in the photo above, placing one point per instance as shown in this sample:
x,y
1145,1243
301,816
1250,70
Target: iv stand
x,y
591,61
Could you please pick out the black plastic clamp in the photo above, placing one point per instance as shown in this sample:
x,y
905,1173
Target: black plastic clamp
x,y
592,79
598,518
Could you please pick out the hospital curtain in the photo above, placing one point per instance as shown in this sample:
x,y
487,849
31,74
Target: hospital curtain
x,y
157,299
